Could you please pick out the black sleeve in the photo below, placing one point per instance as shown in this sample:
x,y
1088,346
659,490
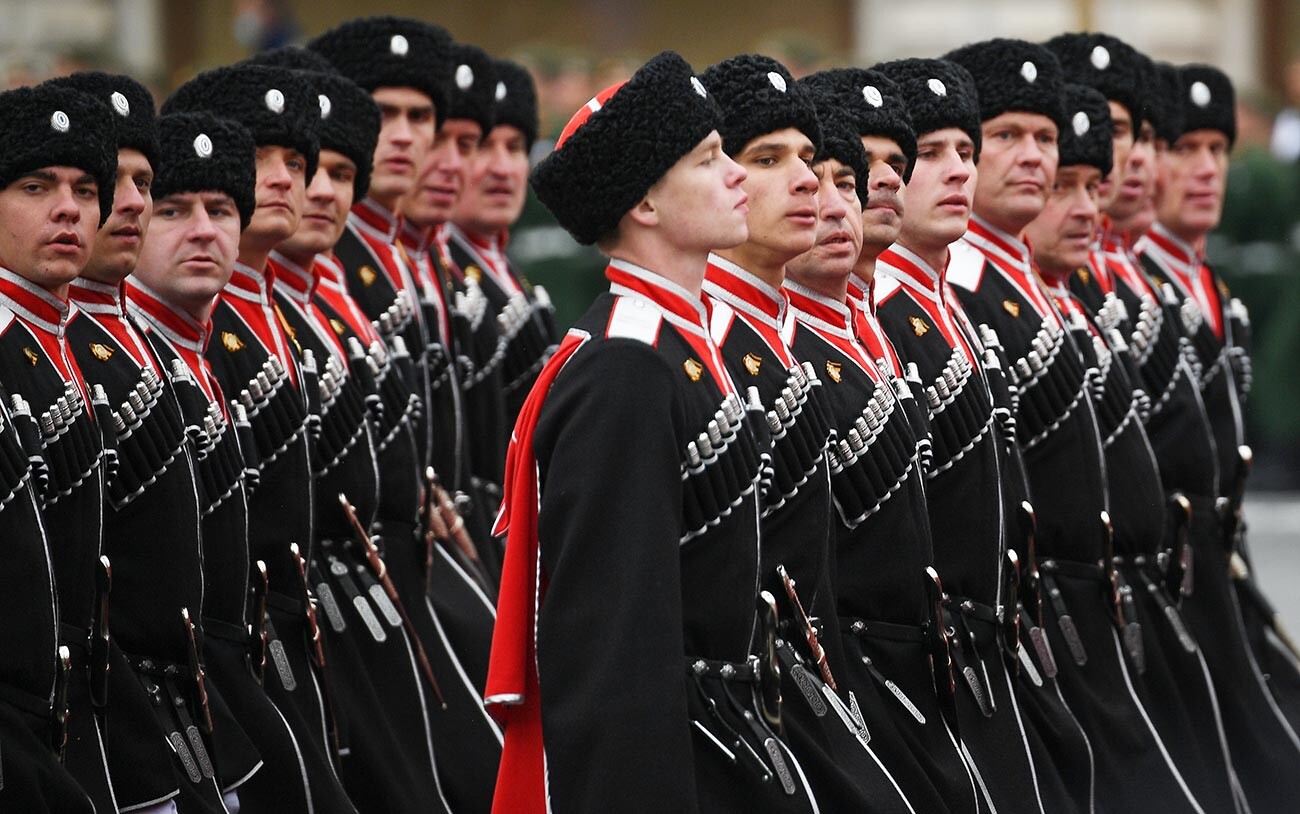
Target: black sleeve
x,y
610,641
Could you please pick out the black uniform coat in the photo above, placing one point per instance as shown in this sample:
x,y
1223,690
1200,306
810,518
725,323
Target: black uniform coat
x,y
35,780
1260,737
251,358
63,441
647,554
882,547
389,763
241,709
795,533
965,495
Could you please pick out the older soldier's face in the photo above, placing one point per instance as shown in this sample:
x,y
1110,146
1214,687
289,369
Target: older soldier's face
x,y
1063,232
117,247
432,200
1017,164
883,216
496,182
839,228
48,221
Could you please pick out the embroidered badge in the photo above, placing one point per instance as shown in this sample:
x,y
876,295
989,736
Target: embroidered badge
x,y
693,369
752,363
833,370
337,326
919,326
31,356
100,351
231,342
1085,276
474,272
1011,307
367,275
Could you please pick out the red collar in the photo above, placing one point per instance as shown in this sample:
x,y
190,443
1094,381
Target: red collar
x,y
96,298
372,219
294,281
728,282
34,305
913,273
178,327
1012,257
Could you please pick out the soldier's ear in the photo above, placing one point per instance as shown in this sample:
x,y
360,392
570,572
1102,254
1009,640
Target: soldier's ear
x,y
645,212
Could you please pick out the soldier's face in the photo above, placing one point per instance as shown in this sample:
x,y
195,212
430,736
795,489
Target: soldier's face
x,y
839,229
782,193
404,139
1135,180
1189,187
1017,164
496,182
281,188
699,205
1122,139
940,191
442,175
48,220
1063,232
191,249
117,246
883,216
325,209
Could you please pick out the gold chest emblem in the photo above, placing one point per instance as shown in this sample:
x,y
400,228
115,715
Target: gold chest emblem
x,y
231,342
1011,307
367,275
101,351
693,369
1085,275
833,370
919,326
473,272
753,363
31,356
337,326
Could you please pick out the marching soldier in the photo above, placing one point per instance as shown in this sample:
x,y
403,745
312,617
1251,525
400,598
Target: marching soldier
x,y
156,607
770,127
35,676
253,356
202,199
680,726
464,738
1062,237
1191,175
1060,433
890,625
1120,297
491,200
460,593
59,176
924,320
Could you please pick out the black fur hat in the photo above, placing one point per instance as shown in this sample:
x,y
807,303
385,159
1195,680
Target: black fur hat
x,y
52,126
1209,101
349,117
1165,101
758,96
1013,75
392,52
840,139
515,97
1108,64
277,105
203,153
136,120
1086,137
873,104
621,143
473,85
938,94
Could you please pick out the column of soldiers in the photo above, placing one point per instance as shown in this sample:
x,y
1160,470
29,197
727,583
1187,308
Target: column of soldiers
x,y
899,470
